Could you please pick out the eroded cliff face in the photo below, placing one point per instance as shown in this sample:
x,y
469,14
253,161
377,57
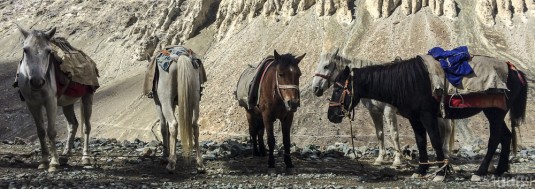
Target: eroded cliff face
x,y
229,34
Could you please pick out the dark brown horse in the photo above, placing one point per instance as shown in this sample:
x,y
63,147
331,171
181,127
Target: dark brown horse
x,y
278,99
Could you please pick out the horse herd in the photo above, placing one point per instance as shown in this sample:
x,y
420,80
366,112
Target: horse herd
x,y
404,84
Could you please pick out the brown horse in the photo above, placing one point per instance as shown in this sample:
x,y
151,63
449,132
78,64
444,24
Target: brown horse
x,y
278,98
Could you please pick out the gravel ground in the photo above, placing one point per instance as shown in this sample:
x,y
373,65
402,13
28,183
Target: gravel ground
x,y
230,165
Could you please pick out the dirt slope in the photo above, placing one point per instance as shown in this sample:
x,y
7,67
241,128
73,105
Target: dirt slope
x,y
231,34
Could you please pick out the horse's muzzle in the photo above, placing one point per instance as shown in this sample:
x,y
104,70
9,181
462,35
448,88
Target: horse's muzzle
x,y
292,105
37,83
318,91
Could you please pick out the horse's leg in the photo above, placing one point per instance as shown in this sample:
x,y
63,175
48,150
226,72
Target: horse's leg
x,y
260,134
444,125
68,111
87,110
429,122
286,129
390,120
200,161
496,136
164,129
268,123
378,123
51,114
253,133
37,114
167,109
421,143
506,139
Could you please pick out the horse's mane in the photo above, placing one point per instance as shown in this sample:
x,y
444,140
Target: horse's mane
x,y
353,62
408,79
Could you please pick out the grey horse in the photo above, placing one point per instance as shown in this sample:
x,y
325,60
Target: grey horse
x,y
37,84
382,114
179,86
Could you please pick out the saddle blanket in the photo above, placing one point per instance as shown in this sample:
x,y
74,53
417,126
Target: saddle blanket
x,y
164,61
488,73
77,65
248,87
476,101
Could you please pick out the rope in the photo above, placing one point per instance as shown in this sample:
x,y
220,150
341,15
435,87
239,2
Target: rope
x,y
446,166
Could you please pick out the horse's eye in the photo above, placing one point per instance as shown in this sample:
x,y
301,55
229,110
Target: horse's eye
x,y
26,50
326,67
281,74
48,51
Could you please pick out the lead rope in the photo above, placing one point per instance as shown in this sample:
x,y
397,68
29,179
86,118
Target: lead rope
x,y
351,119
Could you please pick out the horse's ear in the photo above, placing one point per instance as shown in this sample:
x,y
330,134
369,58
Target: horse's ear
x,y
346,70
22,31
50,33
336,51
299,58
276,54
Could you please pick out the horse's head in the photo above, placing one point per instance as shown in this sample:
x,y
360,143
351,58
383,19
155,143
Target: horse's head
x,y
287,79
325,72
36,54
343,98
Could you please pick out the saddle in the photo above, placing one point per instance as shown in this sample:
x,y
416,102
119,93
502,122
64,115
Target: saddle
x,y
165,62
76,72
248,86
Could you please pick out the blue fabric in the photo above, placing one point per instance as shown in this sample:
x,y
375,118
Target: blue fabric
x,y
164,61
454,63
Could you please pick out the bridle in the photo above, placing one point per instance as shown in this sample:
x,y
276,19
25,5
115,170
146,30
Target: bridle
x,y
279,86
340,102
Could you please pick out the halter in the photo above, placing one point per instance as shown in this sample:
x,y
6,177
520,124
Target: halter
x,y
345,93
328,76
279,87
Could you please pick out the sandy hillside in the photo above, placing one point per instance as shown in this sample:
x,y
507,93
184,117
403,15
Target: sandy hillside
x,y
230,34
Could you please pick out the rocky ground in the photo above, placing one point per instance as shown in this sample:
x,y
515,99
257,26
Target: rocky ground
x,y
137,164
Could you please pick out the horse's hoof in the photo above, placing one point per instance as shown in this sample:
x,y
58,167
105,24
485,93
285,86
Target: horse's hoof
x,y
417,176
291,171
476,178
170,169
52,169
439,178
42,166
396,164
491,169
86,161
201,170
377,163
63,160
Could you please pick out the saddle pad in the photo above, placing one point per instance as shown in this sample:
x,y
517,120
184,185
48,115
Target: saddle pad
x,y
78,66
164,61
489,73
477,101
248,87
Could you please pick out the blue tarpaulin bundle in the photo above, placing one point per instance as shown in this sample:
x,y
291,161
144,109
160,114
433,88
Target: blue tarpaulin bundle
x,y
454,63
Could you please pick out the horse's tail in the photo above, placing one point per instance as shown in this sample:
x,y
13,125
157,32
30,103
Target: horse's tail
x,y
517,113
186,91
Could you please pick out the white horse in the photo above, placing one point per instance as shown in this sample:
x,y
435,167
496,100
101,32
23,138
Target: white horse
x,y
382,113
180,85
37,83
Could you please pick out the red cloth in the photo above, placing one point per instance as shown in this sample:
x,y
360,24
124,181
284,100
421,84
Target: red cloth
x,y
74,89
477,101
